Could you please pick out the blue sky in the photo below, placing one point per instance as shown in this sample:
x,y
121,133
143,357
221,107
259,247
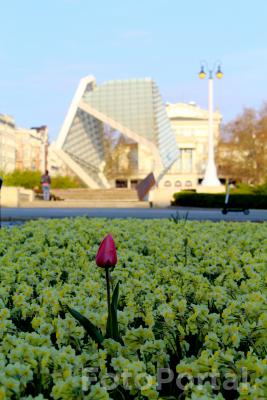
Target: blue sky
x,y
47,46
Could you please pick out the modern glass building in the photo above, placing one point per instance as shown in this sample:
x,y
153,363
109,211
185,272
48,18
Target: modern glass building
x,y
116,133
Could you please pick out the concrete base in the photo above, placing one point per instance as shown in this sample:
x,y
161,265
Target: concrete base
x,y
13,196
210,189
160,197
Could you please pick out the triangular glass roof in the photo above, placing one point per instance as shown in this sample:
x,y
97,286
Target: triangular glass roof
x,y
129,102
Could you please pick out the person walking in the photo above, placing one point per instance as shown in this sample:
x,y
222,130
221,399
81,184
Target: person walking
x,y
46,182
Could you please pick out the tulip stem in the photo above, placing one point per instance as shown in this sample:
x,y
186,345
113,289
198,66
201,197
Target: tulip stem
x,y
108,293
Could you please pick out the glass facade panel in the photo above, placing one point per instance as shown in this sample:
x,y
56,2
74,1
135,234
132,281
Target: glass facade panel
x,y
137,105
133,106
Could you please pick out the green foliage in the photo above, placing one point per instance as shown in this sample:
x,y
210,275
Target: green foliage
x,y
112,328
177,218
243,188
32,179
236,200
112,317
90,328
27,179
261,189
65,182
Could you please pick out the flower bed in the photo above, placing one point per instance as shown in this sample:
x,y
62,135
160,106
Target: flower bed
x,y
192,311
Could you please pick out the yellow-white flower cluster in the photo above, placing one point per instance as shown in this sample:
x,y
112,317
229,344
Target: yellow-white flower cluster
x,y
192,298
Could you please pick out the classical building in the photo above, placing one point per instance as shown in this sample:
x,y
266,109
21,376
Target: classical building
x,y
22,148
7,143
115,134
32,148
190,124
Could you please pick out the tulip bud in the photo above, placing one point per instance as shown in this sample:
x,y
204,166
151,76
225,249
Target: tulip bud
x,y
107,255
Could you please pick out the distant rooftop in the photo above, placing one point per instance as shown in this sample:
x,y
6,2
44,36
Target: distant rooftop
x,y
7,120
188,110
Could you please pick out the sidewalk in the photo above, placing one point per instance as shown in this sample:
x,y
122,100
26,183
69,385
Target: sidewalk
x,y
22,214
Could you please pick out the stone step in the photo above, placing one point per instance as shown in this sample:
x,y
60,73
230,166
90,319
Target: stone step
x,y
84,204
96,194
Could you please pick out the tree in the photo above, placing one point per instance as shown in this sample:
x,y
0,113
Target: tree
x,y
120,155
242,149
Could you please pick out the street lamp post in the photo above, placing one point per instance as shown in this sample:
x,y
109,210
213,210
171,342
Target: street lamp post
x,y
211,178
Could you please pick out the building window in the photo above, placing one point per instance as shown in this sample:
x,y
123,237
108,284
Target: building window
x,y
134,183
167,183
178,183
188,184
121,183
185,161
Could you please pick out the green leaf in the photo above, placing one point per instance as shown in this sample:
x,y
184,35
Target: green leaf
x,y
90,328
114,307
112,330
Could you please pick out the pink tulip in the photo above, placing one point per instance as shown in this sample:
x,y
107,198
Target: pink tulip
x,y
107,255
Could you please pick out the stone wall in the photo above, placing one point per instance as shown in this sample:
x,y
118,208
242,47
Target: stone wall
x,y
13,196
